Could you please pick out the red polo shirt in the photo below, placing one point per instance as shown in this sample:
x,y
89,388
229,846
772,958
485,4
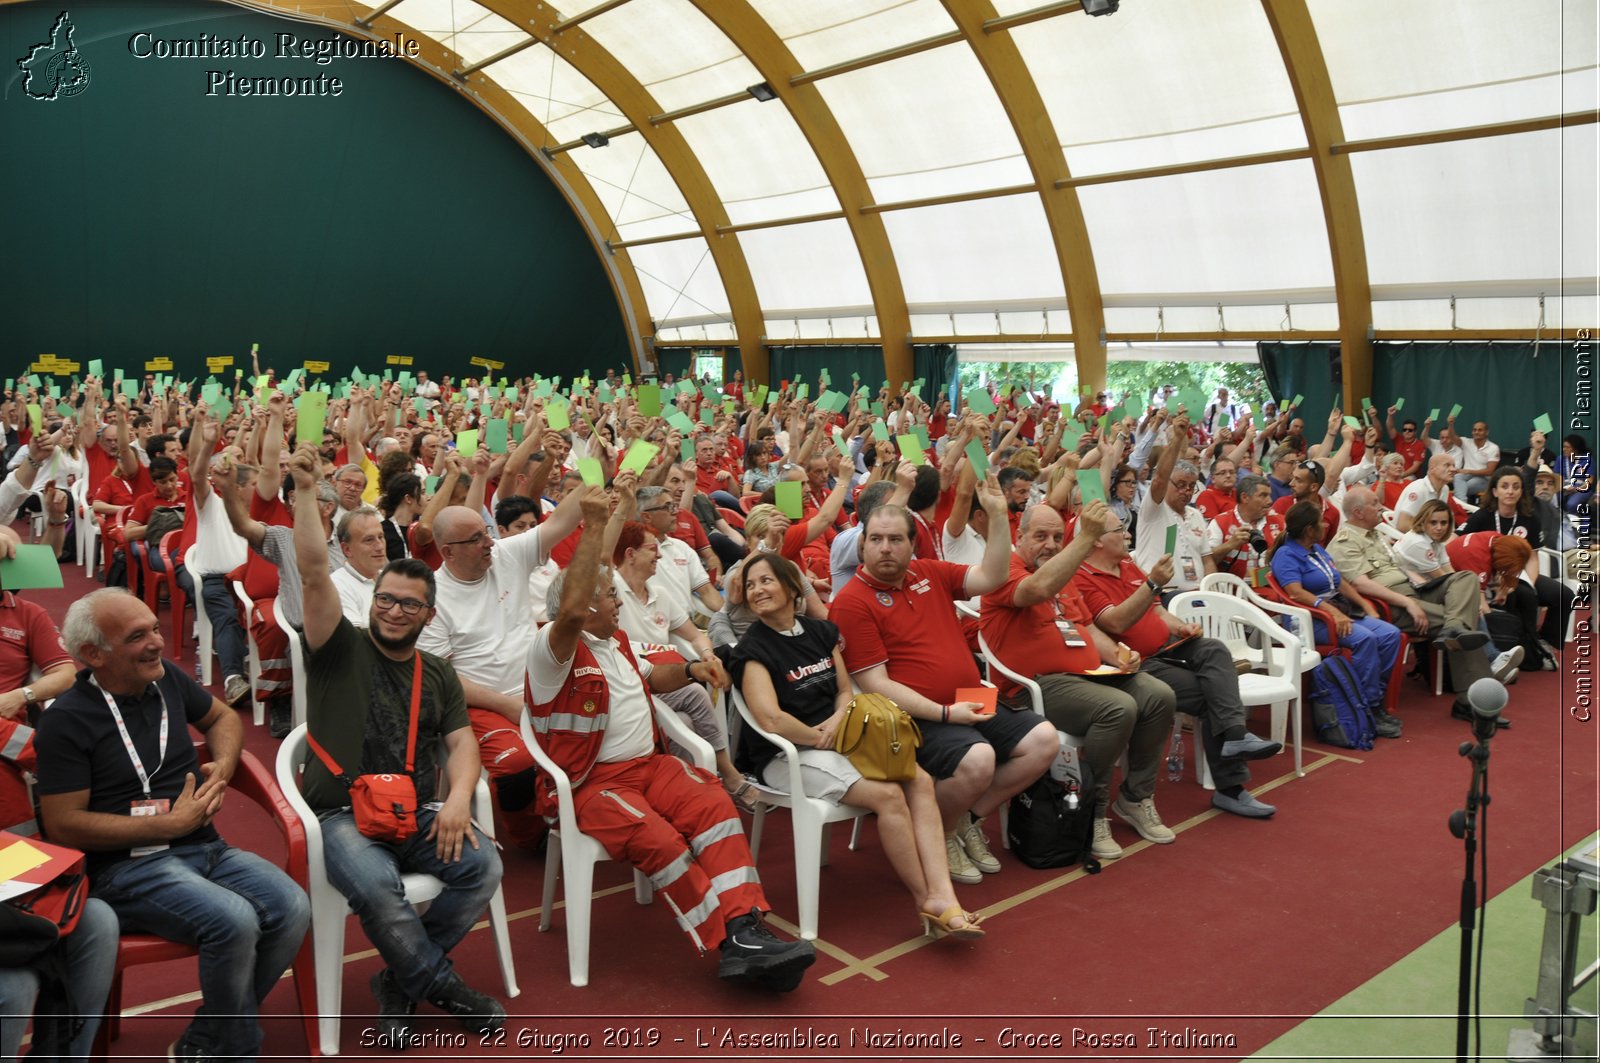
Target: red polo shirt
x,y
1330,515
911,628
28,639
1471,553
1030,640
687,529
1103,590
1214,501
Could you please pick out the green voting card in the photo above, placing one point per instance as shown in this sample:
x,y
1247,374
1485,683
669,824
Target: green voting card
x,y
467,442
979,460
497,436
761,396
592,473
1090,486
839,441
1433,414
639,456
680,420
787,496
880,431
558,416
686,450
1353,422
1455,411
911,449
1172,539
979,401
649,399
97,367
312,410
1542,423
1400,402
34,568
1297,400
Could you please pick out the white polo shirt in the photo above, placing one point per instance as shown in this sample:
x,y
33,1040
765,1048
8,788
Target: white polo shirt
x,y
485,627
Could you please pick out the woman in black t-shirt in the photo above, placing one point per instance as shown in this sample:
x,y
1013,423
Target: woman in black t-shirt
x,y
791,673
1510,512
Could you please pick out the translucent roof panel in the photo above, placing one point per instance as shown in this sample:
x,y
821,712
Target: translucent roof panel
x,y
759,162
1251,228
638,192
823,32
470,30
927,124
672,48
1536,97
1162,83
565,102
995,251
1373,54
1501,208
680,280
805,267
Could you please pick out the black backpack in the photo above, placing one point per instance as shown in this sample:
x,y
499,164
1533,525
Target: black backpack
x,y
1051,823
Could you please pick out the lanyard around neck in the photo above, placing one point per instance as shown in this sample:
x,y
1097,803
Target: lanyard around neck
x,y
127,739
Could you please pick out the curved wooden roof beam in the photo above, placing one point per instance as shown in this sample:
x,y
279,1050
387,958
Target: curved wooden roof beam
x,y
1296,34
594,62
1002,61
751,34
510,114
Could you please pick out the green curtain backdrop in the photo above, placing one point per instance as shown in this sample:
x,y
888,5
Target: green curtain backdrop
x,y
1507,384
146,218
934,362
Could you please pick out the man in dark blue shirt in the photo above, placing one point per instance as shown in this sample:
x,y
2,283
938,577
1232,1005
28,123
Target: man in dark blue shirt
x,y
119,779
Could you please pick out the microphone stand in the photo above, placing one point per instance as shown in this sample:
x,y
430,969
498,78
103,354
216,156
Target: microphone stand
x,y
1464,825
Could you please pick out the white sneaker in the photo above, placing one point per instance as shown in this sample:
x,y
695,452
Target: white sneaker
x,y
1104,846
976,845
961,869
1504,667
235,689
1143,817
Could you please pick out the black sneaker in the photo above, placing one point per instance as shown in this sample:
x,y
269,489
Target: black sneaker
x,y
1385,724
476,1011
280,717
395,1009
756,956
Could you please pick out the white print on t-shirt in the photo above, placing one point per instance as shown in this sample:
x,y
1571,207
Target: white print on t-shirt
x,y
921,586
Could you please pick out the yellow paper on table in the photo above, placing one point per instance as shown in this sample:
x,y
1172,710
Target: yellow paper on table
x,y
591,471
19,858
641,454
787,497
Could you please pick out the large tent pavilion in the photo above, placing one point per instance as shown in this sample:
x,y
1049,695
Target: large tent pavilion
x,y
1373,198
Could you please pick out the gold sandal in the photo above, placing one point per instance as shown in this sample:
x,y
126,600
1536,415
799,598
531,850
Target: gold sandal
x,y
938,926
743,795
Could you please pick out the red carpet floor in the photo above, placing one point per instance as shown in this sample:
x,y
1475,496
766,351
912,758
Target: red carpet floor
x,y
1219,942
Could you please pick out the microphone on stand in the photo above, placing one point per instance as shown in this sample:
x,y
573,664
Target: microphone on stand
x,y
1487,697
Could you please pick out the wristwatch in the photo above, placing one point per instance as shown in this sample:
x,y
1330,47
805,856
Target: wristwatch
x,y
28,697
1155,588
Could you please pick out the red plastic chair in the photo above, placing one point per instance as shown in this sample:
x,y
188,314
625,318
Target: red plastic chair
x,y
252,781
748,502
734,518
175,596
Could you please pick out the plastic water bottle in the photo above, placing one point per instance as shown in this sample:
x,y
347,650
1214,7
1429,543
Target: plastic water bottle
x,y
1175,756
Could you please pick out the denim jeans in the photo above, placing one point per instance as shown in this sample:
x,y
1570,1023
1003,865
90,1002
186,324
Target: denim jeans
x,y
415,947
88,956
245,916
227,634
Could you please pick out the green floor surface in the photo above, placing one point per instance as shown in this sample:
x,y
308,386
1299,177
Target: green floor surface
x,y
1408,1011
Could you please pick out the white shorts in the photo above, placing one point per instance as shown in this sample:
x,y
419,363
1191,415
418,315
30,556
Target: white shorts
x,y
826,774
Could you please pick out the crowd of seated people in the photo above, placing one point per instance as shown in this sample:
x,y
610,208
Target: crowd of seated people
x,y
491,550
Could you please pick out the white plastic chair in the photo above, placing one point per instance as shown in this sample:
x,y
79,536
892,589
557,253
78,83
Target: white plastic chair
x,y
811,819
578,853
253,659
1297,619
297,665
329,908
87,528
1553,563
202,637
1229,619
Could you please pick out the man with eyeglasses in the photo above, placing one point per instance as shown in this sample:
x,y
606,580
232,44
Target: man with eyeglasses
x,y
483,624
363,684
1281,470
1166,505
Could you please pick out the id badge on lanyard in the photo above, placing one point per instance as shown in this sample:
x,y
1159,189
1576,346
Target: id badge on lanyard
x,y
1069,632
148,806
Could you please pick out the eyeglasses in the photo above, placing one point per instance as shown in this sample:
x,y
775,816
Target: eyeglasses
x,y
409,606
652,509
472,541
1178,485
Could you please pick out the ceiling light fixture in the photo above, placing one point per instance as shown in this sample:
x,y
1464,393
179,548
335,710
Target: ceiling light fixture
x,y
762,91
595,140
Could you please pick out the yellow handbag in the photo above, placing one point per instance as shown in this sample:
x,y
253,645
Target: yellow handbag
x,y
880,738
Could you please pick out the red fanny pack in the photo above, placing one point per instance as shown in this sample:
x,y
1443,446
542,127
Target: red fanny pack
x,y
384,805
